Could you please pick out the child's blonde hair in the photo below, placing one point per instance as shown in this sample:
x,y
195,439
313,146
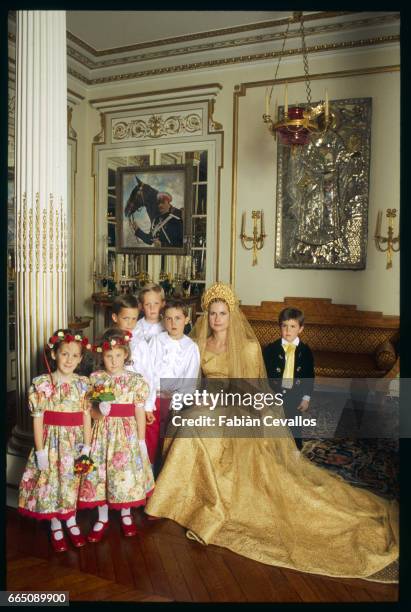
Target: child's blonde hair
x,y
150,287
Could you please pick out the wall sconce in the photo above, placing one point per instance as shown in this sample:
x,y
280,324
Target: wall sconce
x,y
392,244
257,239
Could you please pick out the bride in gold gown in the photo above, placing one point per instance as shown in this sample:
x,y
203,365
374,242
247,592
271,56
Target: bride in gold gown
x,y
259,497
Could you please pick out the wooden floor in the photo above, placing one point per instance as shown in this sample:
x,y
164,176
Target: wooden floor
x,y
160,564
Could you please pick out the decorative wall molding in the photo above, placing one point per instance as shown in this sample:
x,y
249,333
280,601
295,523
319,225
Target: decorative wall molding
x,y
71,132
228,61
199,35
182,112
152,125
10,123
163,97
329,28
74,98
325,31
100,138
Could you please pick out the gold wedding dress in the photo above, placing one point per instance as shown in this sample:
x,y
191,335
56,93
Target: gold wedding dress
x,y
261,499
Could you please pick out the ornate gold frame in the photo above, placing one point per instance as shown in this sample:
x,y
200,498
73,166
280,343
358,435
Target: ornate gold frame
x,y
241,91
100,139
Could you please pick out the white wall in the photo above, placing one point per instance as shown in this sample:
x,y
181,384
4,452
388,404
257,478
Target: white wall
x,y
375,288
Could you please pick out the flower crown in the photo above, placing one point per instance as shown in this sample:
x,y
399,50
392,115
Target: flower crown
x,y
107,345
62,336
219,291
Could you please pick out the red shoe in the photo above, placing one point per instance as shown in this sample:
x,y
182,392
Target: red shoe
x,y
77,540
58,545
128,530
96,536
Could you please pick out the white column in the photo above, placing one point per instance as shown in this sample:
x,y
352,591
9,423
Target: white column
x,y
41,193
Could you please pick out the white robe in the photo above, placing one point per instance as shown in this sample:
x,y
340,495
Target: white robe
x,y
175,363
145,330
141,364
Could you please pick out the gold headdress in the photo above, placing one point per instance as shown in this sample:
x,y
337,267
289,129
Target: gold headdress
x,y
219,291
244,358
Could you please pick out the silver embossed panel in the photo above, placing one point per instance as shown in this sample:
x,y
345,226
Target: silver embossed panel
x,y
322,193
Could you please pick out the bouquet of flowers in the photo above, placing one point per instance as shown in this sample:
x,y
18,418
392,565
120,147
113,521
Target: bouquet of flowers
x,y
83,465
103,395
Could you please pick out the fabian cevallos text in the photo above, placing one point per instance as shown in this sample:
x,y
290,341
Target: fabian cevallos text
x,y
223,420
222,399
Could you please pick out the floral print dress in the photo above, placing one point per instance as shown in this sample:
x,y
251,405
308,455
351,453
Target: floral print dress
x,y
123,476
53,493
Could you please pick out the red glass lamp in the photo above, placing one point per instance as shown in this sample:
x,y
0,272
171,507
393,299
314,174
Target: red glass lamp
x,y
298,122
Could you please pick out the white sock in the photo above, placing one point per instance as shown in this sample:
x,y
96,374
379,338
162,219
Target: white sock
x,y
126,514
55,524
71,524
102,516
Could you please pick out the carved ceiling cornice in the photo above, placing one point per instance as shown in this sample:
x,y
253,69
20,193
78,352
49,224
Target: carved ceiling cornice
x,y
327,31
232,61
202,35
93,64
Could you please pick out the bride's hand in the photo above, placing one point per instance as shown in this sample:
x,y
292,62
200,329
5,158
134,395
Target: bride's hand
x,y
303,407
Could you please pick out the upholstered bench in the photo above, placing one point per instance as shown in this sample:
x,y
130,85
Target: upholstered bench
x,y
346,342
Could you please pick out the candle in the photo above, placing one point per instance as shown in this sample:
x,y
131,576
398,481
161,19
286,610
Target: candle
x,y
267,103
262,222
243,225
326,106
126,258
286,100
119,266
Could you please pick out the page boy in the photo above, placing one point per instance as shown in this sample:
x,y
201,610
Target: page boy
x,y
125,314
151,302
290,361
175,360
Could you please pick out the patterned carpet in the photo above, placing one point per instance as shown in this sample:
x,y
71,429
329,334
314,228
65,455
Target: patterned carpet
x,y
349,442
372,464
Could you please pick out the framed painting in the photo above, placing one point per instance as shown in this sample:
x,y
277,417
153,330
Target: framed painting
x,y
153,209
322,193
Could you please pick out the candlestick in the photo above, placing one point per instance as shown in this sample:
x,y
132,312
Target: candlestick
x,y
326,106
267,103
118,270
262,222
243,224
286,100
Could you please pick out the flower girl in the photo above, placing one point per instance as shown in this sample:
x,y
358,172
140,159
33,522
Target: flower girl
x,y
123,477
61,423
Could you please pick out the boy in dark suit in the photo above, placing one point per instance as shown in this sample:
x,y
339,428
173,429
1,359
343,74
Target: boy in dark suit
x,y
290,363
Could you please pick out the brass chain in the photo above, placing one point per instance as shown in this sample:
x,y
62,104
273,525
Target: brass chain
x,y
281,55
305,61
